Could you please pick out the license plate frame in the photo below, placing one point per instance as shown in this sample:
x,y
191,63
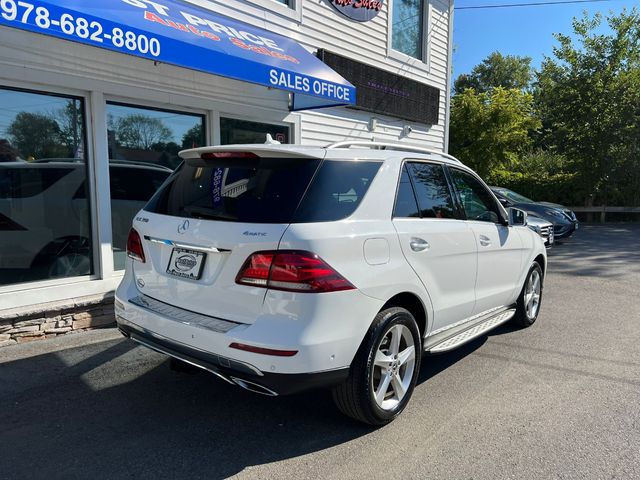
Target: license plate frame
x,y
186,263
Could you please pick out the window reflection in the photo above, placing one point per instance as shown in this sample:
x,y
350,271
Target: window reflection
x,y
407,34
143,151
45,229
233,131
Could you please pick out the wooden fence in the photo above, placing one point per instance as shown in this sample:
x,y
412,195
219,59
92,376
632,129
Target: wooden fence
x,y
603,211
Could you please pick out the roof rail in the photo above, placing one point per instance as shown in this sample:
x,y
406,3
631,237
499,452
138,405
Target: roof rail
x,y
391,146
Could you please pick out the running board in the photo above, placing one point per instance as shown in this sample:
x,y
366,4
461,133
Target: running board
x,y
473,332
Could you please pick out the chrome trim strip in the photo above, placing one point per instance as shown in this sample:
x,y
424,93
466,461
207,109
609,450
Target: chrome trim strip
x,y
170,354
183,316
188,246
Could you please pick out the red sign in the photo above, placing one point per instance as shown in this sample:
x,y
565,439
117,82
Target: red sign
x,y
359,10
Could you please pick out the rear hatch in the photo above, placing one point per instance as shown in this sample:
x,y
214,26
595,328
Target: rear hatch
x,y
219,207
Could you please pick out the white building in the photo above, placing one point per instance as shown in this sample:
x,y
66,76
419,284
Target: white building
x,y
87,131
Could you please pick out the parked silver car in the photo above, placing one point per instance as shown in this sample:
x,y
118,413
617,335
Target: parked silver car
x,y
542,228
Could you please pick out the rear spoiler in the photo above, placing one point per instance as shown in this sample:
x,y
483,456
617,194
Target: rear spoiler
x,y
195,155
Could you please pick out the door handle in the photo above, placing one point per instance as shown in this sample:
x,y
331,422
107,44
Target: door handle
x,y
419,244
485,241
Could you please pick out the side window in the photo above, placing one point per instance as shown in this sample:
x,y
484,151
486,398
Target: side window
x,y
432,190
406,204
477,202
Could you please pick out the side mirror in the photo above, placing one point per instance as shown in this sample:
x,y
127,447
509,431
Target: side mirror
x,y
517,217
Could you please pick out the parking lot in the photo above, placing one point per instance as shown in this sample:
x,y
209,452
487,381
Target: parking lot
x,y
559,400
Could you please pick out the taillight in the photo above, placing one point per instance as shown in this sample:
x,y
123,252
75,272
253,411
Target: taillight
x,y
218,155
134,246
292,271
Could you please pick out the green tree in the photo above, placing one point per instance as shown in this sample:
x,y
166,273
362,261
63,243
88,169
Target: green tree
x,y
36,135
194,137
588,96
140,131
70,119
497,70
490,130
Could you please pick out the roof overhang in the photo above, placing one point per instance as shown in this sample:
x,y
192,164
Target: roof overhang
x,y
180,34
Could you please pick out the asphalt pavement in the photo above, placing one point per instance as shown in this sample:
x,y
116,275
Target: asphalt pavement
x,y
558,400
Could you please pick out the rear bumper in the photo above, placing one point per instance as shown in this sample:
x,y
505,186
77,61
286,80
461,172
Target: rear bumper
x,y
232,371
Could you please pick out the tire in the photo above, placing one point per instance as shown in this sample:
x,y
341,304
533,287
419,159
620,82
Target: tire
x,y
388,359
528,307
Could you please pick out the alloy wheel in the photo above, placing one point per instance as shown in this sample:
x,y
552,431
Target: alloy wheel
x,y
393,367
532,294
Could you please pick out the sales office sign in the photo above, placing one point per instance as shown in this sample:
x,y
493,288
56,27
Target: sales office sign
x,y
359,10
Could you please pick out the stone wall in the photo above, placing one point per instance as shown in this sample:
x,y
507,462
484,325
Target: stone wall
x,y
49,320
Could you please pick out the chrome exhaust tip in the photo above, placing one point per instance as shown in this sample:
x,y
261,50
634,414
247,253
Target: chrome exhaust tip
x,y
254,387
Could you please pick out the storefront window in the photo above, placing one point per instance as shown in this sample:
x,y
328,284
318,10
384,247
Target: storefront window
x,y
234,131
407,31
45,227
143,151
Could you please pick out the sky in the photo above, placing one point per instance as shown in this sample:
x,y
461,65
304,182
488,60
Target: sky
x,y
524,31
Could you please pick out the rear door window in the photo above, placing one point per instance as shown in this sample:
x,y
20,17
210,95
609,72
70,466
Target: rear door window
x,y
432,190
406,203
337,191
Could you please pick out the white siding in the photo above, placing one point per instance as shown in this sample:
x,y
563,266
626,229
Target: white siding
x,y
324,27
35,58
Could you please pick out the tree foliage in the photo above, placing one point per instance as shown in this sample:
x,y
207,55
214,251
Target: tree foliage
x,y
36,135
491,130
140,131
578,140
588,96
194,137
497,70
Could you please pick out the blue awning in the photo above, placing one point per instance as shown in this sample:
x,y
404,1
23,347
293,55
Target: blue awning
x,y
177,33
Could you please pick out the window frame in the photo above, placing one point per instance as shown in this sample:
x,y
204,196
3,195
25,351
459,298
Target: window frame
x,y
425,58
61,92
502,218
108,257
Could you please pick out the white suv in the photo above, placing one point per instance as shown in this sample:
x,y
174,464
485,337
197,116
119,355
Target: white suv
x,y
281,268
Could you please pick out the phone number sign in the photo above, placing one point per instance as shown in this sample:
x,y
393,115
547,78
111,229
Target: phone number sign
x,y
180,34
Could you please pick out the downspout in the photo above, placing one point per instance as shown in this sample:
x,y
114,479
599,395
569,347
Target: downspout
x,y
449,75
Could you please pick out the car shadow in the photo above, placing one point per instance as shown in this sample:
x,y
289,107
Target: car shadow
x,y
115,410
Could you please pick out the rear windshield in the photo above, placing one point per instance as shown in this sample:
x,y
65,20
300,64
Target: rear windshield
x,y
266,190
